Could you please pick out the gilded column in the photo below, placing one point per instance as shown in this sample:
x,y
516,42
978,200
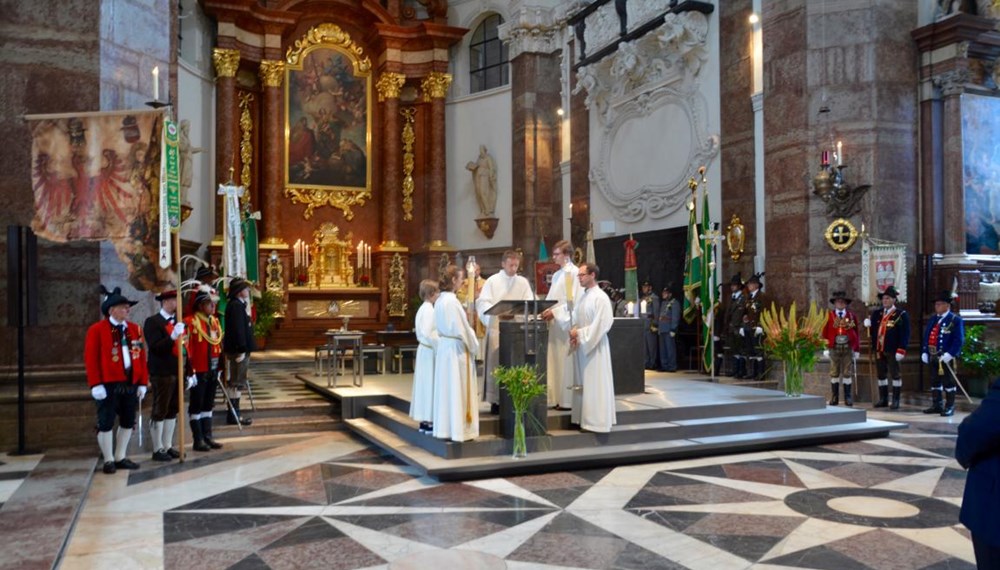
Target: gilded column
x,y
434,88
226,61
389,85
272,138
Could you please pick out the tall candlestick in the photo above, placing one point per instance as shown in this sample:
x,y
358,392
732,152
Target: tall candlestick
x,y
295,253
156,83
357,263
368,256
569,287
840,154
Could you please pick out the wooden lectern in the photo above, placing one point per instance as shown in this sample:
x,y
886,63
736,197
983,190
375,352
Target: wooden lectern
x,y
523,342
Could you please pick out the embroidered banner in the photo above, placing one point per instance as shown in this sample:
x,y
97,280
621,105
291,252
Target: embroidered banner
x,y
95,176
882,265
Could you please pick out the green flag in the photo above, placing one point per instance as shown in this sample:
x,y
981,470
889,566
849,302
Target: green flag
x,y
692,266
708,299
543,253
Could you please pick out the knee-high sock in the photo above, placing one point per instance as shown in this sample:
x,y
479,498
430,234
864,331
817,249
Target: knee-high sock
x,y
847,381
168,432
156,433
105,440
122,447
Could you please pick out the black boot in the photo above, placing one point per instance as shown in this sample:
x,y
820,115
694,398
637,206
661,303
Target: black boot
x,y
231,418
835,390
206,431
895,398
883,397
741,368
949,403
936,407
199,438
758,369
849,395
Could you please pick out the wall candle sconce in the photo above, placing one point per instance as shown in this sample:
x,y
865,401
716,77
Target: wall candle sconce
x,y
842,199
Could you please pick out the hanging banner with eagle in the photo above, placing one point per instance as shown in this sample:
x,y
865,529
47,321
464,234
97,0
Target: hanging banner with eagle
x,y
95,177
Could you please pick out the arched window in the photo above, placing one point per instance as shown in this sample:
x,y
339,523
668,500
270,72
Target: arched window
x,y
487,57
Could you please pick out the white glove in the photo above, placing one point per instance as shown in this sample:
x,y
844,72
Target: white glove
x,y
899,357
178,331
857,355
742,333
141,392
672,334
947,358
868,323
98,392
715,338
192,381
758,331
826,355
924,358
241,357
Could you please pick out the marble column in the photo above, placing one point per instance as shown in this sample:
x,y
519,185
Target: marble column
x,y
226,61
952,84
434,88
388,86
271,74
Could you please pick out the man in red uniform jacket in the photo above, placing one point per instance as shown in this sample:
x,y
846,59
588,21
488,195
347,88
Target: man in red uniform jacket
x,y
842,343
115,357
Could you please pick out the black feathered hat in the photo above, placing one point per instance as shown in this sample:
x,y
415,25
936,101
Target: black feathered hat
x,y
113,298
236,286
840,295
890,291
944,297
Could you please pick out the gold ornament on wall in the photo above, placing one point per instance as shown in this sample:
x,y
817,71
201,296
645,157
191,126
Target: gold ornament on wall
x,y
435,85
736,236
246,142
408,161
841,234
389,85
397,287
226,61
314,198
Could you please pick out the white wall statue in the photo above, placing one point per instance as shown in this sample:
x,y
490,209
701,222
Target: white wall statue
x,y
650,118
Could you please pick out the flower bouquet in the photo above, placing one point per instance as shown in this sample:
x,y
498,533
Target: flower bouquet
x,y
794,341
522,383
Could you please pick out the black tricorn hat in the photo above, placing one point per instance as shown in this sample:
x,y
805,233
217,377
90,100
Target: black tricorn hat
x,y
736,280
890,291
944,297
840,295
755,278
646,283
114,298
236,286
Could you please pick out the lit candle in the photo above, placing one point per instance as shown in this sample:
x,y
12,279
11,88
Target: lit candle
x,y
825,158
357,263
369,255
305,247
156,83
840,154
642,307
295,253
629,307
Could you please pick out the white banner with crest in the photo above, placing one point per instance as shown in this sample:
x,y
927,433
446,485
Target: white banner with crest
x,y
882,264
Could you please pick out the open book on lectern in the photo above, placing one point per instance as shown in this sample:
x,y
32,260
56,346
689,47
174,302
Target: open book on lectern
x,y
519,307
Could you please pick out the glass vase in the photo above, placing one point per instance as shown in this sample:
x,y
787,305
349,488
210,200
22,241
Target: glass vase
x,y
519,443
793,379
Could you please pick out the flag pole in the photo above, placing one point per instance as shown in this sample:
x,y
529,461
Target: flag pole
x,y
180,350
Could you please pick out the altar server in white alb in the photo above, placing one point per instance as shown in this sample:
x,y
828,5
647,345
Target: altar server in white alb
x,y
456,406
594,405
504,285
565,287
422,401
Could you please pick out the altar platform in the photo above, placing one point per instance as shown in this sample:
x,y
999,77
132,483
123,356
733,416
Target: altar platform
x,y
678,416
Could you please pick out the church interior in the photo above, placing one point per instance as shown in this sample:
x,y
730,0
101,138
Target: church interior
x,y
828,145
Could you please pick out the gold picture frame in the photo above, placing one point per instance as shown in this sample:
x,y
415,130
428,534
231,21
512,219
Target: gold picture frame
x,y
328,122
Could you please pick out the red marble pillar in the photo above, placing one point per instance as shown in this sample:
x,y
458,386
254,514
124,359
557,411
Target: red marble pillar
x,y
434,87
952,85
271,74
388,86
226,61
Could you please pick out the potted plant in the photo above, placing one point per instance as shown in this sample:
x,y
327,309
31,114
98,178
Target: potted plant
x,y
794,341
979,359
523,385
268,306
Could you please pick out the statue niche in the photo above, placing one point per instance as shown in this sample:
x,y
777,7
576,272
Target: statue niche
x,y
331,263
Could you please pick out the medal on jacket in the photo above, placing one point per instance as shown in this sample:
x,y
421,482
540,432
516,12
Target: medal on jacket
x,y
115,351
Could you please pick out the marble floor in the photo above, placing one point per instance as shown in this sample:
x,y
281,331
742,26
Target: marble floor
x,y
328,500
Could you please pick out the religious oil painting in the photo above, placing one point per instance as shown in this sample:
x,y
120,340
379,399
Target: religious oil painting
x,y
981,162
328,123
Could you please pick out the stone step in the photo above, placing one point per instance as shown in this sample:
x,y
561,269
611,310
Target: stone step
x,y
279,425
569,459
